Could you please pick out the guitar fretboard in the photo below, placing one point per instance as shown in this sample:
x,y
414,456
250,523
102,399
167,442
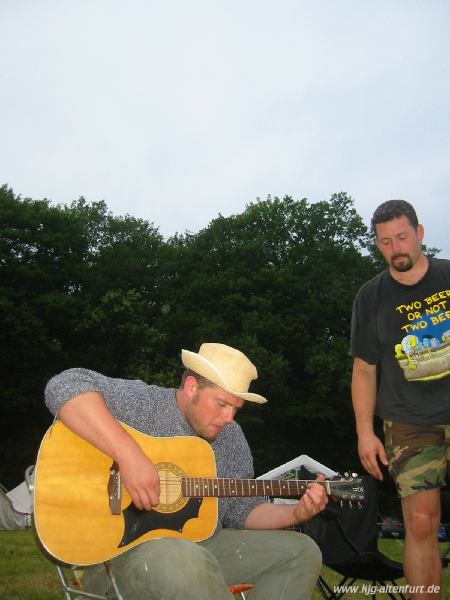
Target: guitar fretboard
x,y
199,487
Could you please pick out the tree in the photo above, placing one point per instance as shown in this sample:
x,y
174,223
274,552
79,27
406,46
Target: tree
x,y
79,287
278,281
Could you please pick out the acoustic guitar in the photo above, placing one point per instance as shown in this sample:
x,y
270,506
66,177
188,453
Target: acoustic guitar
x,y
83,515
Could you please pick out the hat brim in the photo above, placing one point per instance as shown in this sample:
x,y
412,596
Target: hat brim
x,y
202,366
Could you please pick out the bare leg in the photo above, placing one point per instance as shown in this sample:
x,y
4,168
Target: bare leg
x,y
422,563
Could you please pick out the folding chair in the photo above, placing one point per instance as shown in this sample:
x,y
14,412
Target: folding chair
x,y
74,590
70,578
348,539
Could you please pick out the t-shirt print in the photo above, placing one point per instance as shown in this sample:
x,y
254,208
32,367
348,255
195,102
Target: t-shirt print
x,y
424,351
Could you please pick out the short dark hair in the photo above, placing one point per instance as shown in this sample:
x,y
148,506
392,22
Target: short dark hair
x,y
392,209
202,382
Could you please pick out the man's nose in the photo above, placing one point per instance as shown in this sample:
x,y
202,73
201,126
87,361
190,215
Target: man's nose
x,y
396,246
229,413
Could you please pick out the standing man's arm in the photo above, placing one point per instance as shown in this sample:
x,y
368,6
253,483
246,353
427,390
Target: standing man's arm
x,y
364,392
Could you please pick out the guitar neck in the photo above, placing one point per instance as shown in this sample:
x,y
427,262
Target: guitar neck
x,y
199,487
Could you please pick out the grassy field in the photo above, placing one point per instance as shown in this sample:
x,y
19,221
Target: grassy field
x,y
25,574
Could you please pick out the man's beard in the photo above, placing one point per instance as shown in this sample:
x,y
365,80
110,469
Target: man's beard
x,y
201,434
404,266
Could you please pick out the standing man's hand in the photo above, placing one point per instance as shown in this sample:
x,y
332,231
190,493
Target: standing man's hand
x,y
364,394
371,449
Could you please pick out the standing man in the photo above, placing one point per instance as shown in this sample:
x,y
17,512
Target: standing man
x,y
245,545
401,372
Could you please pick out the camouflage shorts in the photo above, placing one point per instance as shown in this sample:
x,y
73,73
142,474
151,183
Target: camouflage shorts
x,y
419,455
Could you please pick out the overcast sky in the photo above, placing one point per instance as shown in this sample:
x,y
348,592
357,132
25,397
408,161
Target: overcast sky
x,y
177,110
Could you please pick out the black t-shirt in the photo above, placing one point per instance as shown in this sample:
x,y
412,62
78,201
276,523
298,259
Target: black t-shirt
x,y
405,331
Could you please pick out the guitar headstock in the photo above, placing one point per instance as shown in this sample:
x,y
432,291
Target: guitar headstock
x,y
348,488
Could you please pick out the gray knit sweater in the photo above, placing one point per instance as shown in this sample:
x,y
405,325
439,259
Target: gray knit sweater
x,y
154,411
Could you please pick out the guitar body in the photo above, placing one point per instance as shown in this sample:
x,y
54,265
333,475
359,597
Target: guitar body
x,y
72,515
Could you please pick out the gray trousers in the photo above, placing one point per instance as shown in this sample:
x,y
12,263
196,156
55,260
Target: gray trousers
x,y
282,565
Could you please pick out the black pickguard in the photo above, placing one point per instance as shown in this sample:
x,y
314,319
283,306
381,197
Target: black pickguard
x,y
138,522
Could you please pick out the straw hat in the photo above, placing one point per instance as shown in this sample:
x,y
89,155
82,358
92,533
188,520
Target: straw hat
x,y
226,367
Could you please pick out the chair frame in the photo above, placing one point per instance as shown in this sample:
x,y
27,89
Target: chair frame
x,y
77,593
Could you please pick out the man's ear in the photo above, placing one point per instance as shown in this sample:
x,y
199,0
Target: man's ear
x,y
420,232
190,386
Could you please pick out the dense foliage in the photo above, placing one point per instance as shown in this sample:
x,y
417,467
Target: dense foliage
x,y
81,287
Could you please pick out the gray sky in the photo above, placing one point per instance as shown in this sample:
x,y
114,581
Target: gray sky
x,y
178,110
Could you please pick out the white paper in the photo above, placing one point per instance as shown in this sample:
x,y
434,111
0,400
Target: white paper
x,y
287,471
283,471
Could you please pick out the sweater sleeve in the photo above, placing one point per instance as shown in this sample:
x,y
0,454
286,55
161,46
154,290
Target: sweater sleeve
x,y
71,383
235,461
130,401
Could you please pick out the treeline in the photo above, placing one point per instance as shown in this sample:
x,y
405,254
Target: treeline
x,y
82,287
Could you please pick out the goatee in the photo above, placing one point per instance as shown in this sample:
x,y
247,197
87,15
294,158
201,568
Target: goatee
x,y
403,266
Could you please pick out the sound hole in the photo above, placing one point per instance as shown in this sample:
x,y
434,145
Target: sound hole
x,y
170,498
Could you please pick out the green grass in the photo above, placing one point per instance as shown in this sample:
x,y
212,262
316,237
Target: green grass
x,y
25,574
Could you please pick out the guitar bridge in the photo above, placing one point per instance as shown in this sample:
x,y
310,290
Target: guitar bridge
x,y
114,489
